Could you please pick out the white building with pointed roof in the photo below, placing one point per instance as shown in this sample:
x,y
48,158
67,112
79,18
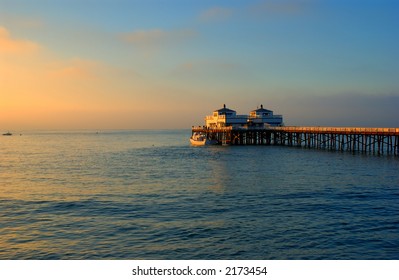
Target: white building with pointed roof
x,y
261,116
226,117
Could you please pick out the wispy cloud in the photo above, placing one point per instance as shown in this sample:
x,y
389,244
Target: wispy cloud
x,y
47,90
151,42
36,81
157,37
10,45
74,69
216,14
281,7
259,10
23,22
205,67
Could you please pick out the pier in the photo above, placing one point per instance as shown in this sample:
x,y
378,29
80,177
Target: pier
x,y
354,139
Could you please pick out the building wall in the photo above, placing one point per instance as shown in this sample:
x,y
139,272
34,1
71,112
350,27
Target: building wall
x,y
223,120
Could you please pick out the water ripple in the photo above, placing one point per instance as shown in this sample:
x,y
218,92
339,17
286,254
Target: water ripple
x,y
135,195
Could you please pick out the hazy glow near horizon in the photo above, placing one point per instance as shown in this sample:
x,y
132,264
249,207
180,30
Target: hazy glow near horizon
x,y
166,64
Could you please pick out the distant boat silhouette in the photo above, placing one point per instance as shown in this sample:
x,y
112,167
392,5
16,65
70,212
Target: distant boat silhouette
x,y
7,134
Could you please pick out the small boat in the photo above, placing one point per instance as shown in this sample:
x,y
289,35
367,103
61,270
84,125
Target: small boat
x,y
200,139
7,134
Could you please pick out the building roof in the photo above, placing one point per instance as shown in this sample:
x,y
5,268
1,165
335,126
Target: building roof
x,y
262,110
224,110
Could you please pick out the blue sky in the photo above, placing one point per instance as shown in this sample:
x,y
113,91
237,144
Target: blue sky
x,y
119,64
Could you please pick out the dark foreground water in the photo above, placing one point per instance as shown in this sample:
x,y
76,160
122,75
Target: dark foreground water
x,y
150,195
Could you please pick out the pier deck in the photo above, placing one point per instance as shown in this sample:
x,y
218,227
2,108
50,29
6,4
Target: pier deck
x,y
368,140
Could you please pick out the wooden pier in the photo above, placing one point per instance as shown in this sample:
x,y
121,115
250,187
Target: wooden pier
x,y
354,139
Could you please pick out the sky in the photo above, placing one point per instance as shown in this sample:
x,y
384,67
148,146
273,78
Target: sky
x,y
165,64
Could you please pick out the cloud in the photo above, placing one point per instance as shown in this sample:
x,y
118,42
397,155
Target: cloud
x,y
260,10
216,14
22,22
45,90
281,7
78,69
40,84
9,45
157,37
206,66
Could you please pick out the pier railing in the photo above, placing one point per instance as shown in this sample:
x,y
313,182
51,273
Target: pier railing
x,y
346,130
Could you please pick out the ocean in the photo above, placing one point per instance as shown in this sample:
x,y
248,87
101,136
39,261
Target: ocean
x,y
150,195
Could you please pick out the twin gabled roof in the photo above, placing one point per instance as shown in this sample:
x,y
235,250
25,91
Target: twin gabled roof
x,y
262,110
224,110
227,110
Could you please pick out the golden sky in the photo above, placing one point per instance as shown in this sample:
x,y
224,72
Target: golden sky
x,y
69,65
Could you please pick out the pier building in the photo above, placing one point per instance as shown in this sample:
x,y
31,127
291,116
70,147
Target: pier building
x,y
259,117
262,117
